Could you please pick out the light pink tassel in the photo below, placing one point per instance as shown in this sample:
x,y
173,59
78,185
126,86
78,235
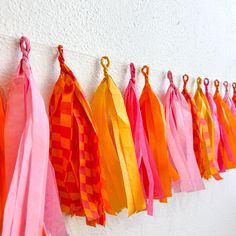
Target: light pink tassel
x,y
180,140
218,162
29,170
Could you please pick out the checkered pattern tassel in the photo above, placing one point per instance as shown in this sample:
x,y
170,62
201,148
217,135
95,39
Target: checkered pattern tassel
x,y
74,149
201,143
204,109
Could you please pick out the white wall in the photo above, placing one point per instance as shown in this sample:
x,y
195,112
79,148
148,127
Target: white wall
x,y
195,37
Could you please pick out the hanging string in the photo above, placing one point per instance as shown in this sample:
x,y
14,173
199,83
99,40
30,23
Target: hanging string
x,y
43,45
15,39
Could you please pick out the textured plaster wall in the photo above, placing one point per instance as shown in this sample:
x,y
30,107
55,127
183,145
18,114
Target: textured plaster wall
x,y
195,37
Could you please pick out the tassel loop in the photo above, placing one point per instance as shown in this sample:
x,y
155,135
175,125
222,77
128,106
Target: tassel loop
x,y
234,87
199,82
234,93
61,56
185,78
217,84
25,47
170,77
105,62
145,72
132,72
226,85
206,83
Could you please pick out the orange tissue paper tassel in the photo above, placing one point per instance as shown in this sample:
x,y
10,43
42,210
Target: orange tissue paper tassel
x,y
119,164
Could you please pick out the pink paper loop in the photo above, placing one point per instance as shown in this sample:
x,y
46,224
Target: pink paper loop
x,y
132,72
226,85
170,76
25,46
206,83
